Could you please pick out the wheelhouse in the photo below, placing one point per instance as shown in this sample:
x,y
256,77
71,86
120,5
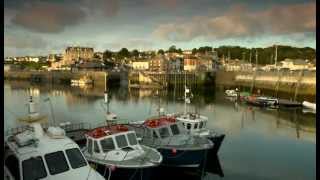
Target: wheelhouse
x,y
28,158
193,122
163,127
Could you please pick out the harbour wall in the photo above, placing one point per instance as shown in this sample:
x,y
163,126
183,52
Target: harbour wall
x,y
98,77
301,83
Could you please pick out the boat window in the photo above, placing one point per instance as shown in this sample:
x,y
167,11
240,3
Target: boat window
x,y
75,157
132,139
188,126
12,164
89,146
96,147
174,129
155,134
200,124
56,162
33,168
164,132
121,141
195,125
107,144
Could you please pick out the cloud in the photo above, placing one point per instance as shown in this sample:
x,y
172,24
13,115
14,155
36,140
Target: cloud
x,y
240,22
108,8
140,44
24,41
48,17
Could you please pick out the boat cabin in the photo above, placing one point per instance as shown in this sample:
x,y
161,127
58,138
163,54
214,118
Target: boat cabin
x,y
163,127
33,154
193,122
116,141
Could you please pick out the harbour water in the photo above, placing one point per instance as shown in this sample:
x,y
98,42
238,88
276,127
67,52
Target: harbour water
x,y
260,143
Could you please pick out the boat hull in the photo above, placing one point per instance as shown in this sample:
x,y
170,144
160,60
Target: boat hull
x,y
217,141
182,158
124,173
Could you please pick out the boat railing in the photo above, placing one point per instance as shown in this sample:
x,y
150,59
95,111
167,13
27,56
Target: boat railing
x,y
68,128
16,130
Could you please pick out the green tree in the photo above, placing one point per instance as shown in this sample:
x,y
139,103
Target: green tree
x,y
172,49
107,55
194,50
124,52
161,51
135,53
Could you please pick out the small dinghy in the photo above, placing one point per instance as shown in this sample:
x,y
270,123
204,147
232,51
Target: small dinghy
x,y
309,105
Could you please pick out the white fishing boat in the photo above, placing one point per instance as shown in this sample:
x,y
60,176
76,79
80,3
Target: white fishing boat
x,y
86,80
231,93
309,105
117,147
33,152
196,124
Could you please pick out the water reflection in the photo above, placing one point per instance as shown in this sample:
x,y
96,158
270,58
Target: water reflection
x,y
270,140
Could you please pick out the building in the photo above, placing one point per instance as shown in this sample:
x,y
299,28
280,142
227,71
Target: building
x,y
175,64
140,65
187,52
294,64
158,63
190,64
73,54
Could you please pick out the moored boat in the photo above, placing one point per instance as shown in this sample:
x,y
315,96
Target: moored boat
x,y
115,146
33,152
309,105
177,146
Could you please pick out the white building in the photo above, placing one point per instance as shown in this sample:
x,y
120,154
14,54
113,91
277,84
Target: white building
x,y
294,64
140,65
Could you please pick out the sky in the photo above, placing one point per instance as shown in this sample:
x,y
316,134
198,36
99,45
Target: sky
x,y
41,27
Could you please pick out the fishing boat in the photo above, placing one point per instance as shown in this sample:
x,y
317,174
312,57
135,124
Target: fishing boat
x,y
33,152
117,147
86,80
231,93
196,124
177,146
309,105
288,103
261,101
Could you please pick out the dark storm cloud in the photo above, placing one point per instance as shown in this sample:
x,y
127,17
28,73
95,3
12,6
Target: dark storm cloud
x,y
239,21
48,17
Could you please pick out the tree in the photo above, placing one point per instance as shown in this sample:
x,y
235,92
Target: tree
x,y
124,52
194,51
161,51
135,53
179,51
107,55
172,49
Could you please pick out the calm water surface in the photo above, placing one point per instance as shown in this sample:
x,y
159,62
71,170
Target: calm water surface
x,y
260,143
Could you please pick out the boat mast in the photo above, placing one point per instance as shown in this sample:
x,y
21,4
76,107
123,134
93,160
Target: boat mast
x,y
106,100
185,92
276,56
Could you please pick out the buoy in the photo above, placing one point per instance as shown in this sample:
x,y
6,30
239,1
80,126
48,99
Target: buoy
x,y
174,151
